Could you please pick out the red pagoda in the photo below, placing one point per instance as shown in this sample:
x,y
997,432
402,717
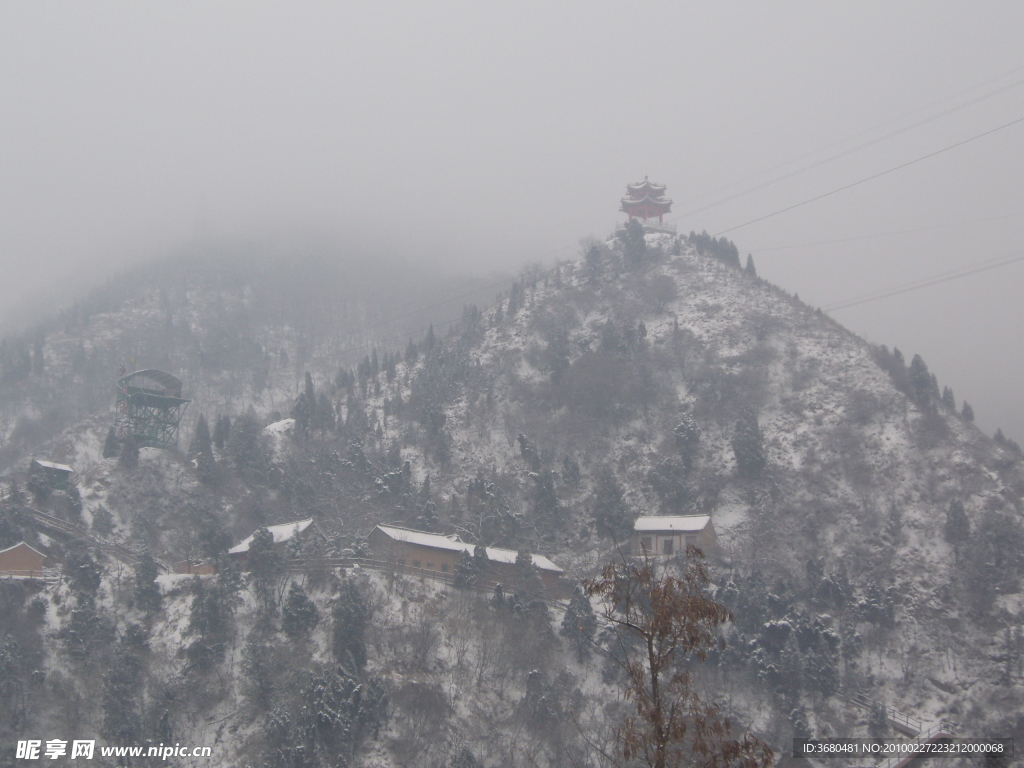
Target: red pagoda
x,y
645,201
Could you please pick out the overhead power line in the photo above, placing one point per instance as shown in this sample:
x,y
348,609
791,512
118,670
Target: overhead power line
x,y
1004,261
871,177
844,153
885,234
857,135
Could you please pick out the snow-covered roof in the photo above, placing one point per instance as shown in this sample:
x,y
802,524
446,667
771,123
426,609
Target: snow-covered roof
x,y
453,543
682,523
22,544
52,465
282,532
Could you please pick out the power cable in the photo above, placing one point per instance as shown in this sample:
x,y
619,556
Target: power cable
x,y
1004,261
844,153
854,136
872,177
885,234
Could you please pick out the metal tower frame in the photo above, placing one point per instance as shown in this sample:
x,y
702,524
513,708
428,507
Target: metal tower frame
x,y
149,408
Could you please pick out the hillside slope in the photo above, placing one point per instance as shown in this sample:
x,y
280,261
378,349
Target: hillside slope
x,y
659,380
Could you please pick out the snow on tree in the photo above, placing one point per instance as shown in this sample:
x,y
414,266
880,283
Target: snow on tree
x,y
748,446
299,614
957,528
350,618
147,591
579,623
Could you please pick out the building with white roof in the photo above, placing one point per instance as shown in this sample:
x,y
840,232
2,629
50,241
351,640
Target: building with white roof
x,y
434,552
283,534
667,535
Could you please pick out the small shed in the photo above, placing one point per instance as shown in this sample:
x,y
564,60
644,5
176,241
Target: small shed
x,y
283,534
23,561
56,476
665,536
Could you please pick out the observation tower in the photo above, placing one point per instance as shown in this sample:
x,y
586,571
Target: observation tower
x,y
149,408
645,201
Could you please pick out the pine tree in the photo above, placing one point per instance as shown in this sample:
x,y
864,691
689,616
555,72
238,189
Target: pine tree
x,y
299,616
351,616
481,563
265,567
921,383
222,432
948,399
147,591
129,453
878,721
464,759
201,442
612,517
958,528
580,623
465,576
110,444
102,521
687,440
634,244
751,269
748,446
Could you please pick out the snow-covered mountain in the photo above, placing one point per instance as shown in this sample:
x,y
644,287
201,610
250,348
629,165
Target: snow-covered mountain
x,y
643,379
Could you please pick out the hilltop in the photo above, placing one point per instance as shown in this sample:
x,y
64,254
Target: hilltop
x,y
646,378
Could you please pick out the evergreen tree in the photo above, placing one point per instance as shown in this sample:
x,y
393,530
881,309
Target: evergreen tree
x,y
687,440
38,483
580,623
147,591
751,269
464,759
748,446
920,381
221,432
967,412
612,518
958,528
948,399
878,721
102,521
351,616
299,616
120,698
265,567
201,442
323,414
481,563
465,575
110,444
634,244
246,447
129,453
593,259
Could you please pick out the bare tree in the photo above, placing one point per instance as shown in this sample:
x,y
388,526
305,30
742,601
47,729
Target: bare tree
x,y
661,623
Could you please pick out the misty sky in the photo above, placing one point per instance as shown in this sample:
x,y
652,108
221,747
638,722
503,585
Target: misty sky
x,y
489,136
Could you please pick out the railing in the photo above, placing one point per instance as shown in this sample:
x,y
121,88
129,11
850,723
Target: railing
x,y
901,720
119,551
47,575
940,730
652,225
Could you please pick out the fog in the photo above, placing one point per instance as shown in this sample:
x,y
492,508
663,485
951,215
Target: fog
x,y
482,138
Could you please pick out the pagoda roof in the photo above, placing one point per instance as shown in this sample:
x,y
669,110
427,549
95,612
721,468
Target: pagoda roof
x,y
645,187
171,384
662,204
